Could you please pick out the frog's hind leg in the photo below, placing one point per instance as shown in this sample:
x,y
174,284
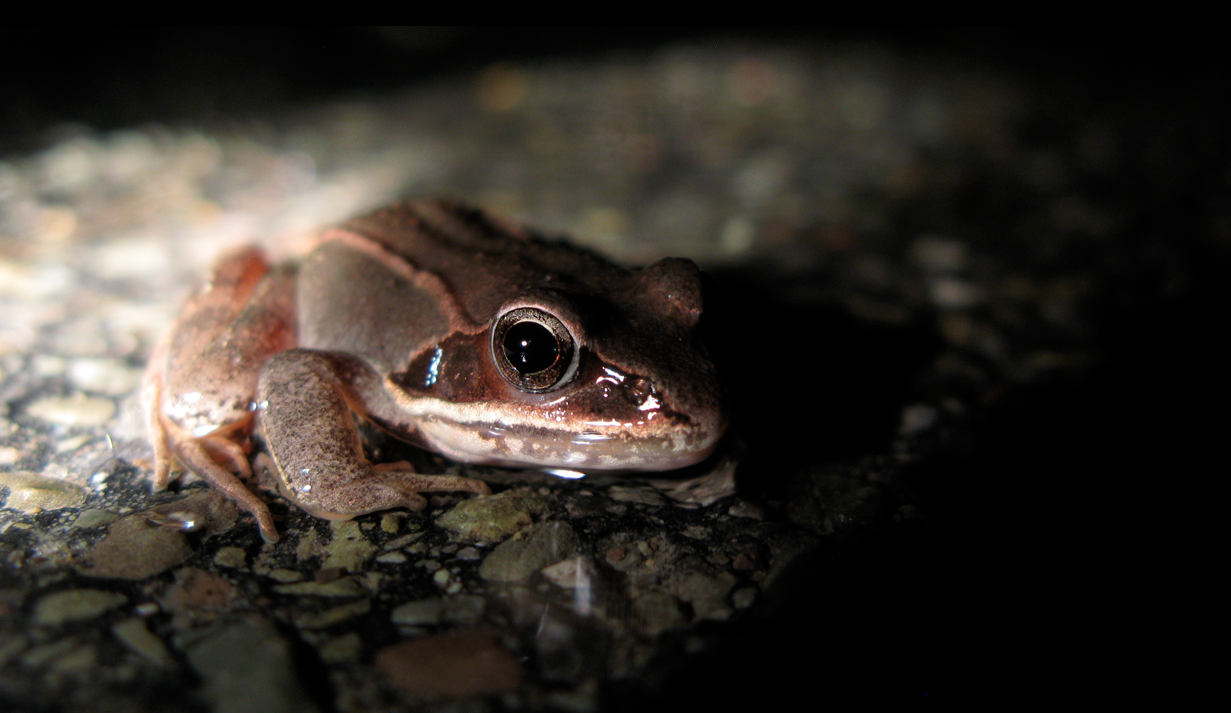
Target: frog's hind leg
x,y
151,398
199,459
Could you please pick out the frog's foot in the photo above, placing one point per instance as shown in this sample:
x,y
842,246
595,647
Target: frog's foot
x,y
200,459
380,487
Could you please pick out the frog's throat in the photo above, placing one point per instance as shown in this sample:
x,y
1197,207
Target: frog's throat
x,y
466,432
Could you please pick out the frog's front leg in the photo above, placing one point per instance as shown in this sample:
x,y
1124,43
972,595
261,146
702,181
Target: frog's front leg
x,y
304,400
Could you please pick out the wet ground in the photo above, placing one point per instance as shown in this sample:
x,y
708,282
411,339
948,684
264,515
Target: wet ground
x,y
951,300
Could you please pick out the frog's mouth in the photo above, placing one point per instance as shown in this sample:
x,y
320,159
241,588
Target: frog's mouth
x,y
644,446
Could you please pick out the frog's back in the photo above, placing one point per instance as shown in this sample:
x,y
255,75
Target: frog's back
x,y
483,259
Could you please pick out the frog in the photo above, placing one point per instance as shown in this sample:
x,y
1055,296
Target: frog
x,y
447,328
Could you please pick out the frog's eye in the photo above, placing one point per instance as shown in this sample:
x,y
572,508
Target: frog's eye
x,y
533,350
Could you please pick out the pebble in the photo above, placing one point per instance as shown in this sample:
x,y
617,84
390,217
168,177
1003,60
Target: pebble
x,y
285,575
198,595
636,495
459,664
391,558
460,609
494,518
657,612
76,660
102,375
41,655
134,634
232,557
337,588
32,493
77,410
743,508
341,649
573,573
743,597
10,646
74,605
349,548
706,594
247,667
916,419
425,612
134,549
514,560
336,615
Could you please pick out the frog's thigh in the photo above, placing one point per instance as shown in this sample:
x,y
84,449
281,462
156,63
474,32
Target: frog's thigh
x,y
307,424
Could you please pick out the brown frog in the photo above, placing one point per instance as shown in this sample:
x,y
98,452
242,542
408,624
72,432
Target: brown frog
x,y
447,328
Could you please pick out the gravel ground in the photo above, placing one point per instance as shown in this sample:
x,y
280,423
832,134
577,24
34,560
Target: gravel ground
x,y
958,309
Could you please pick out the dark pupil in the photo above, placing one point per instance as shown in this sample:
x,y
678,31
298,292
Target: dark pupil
x,y
531,347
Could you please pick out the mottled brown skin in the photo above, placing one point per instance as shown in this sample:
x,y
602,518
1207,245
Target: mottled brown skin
x,y
391,317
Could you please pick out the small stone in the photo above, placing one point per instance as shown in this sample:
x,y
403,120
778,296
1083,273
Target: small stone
x,y
743,508
696,532
706,594
9,455
463,609
515,560
390,522
71,444
247,667
95,517
469,554
32,493
133,549
459,664
198,595
232,557
285,575
136,636
342,649
425,612
495,517
939,254
349,548
10,646
103,375
400,542
77,410
391,558
77,660
743,597
953,293
338,588
42,655
657,612
441,578
916,419
308,547
74,605
336,615
571,573
636,495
